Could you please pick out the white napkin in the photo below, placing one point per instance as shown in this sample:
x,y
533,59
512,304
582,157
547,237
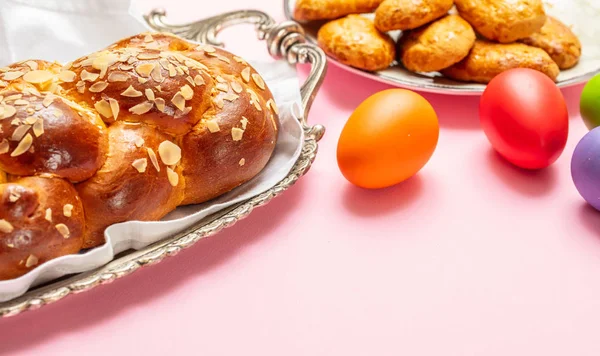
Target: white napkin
x,y
64,30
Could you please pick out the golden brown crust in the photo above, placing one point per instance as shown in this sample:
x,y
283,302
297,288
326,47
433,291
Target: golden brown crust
x,y
437,45
487,59
558,41
307,10
119,192
354,40
170,106
30,234
409,14
501,20
67,140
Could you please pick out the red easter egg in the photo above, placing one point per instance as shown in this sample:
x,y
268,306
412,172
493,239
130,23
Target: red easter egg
x,y
525,118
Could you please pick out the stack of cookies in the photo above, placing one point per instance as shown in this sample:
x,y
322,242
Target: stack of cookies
x,y
467,40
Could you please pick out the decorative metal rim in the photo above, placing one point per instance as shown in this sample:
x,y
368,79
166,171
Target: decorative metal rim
x,y
285,40
437,88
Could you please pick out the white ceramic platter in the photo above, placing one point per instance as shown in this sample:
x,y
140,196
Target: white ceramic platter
x,y
582,15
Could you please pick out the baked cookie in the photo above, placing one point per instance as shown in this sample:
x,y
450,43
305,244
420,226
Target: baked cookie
x,y
437,45
559,41
487,59
308,10
354,40
409,14
503,20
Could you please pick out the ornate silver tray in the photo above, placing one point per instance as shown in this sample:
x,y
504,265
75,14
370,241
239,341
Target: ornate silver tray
x,y
581,15
284,40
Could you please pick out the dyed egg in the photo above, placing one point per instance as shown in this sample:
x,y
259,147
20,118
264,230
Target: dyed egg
x,y
585,167
589,104
387,139
525,118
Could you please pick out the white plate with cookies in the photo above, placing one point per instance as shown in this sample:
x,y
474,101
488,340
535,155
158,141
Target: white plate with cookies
x,y
454,47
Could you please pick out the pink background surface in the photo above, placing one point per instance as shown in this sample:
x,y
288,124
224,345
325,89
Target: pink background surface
x,y
470,257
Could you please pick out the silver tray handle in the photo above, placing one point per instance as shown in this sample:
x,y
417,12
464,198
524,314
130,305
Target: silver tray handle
x,y
285,40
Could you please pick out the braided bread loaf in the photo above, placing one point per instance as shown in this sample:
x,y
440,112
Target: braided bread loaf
x,y
126,133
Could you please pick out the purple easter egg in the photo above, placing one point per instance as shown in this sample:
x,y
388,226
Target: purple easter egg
x,y
585,167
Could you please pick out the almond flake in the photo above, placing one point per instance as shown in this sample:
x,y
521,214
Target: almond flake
x,y
103,70
142,80
103,107
258,81
114,107
199,80
180,113
3,84
158,88
172,176
118,77
149,94
148,38
219,102
8,111
222,87
145,69
98,87
13,97
104,61
208,49
164,63
237,87
19,132
180,71
38,76
170,153
80,87
125,67
172,70
38,127
246,74
160,104
140,164
139,142
212,126
187,92
179,101
16,122
23,146
156,74
32,260
273,106
5,226
153,158
31,120
237,133
67,76
32,64
223,58
190,80
14,196
87,76
142,108
21,102
220,79
131,92
67,210
12,75
230,97
48,215
148,55
242,162
63,230
239,60
244,122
